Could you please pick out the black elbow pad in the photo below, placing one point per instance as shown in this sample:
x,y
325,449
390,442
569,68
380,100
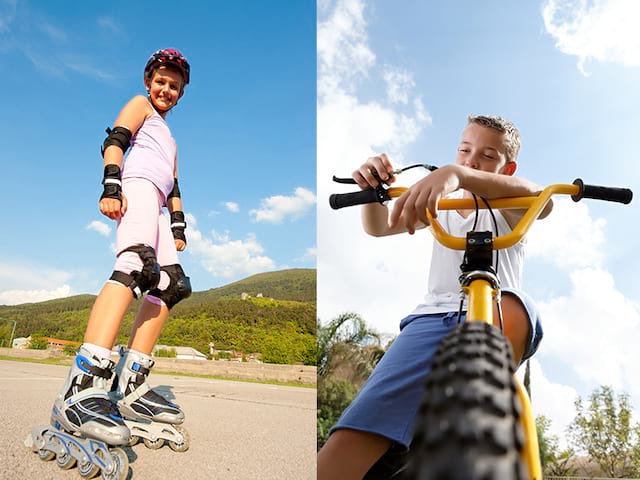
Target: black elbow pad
x,y
119,136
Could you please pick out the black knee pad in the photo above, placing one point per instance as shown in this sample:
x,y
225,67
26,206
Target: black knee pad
x,y
144,280
179,286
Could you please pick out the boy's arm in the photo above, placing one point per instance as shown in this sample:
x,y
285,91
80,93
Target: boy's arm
x,y
375,217
410,208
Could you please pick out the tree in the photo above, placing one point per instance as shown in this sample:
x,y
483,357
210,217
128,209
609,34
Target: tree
x,y
334,395
347,352
603,429
348,333
38,343
554,461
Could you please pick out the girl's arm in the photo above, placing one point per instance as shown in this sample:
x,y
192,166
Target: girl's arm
x,y
131,117
174,204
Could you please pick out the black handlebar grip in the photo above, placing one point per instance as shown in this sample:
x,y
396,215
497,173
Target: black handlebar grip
x,y
596,192
341,200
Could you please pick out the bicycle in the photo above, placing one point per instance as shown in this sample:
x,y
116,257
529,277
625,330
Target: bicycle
x,y
476,420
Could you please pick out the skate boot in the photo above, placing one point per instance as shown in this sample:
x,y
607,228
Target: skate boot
x,y
84,406
148,415
85,422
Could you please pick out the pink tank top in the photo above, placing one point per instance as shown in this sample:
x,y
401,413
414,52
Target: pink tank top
x,y
153,154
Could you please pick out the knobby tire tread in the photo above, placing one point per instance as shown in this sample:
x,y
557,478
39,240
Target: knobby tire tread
x,y
468,423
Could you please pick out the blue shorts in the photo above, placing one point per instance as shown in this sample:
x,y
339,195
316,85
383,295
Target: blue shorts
x,y
388,402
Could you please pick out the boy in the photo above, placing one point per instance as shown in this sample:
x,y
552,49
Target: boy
x,y
382,416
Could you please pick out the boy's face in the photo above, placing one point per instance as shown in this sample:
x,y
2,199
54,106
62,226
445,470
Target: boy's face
x,y
483,148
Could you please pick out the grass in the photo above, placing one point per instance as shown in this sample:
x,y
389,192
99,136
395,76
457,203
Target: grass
x,y
67,361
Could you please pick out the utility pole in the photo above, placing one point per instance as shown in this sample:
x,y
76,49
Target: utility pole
x,y
12,332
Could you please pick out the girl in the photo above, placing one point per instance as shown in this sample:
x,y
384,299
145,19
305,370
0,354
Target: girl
x,y
147,260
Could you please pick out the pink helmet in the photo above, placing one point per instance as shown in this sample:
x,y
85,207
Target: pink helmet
x,y
168,56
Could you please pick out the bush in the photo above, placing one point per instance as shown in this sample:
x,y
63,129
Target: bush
x,y
334,395
166,353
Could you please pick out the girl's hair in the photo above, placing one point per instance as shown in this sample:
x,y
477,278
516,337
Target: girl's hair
x,y
512,140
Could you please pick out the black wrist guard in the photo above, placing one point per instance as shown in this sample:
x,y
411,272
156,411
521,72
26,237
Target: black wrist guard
x,y
178,225
112,183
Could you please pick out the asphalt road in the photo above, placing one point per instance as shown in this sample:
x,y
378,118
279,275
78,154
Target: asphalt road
x,y
238,430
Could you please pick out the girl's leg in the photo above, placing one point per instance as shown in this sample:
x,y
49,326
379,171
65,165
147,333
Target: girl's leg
x,y
154,313
148,326
349,454
107,314
137,227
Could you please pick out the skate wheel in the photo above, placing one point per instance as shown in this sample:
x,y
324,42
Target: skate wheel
x,y
121,462
88,469
65,460
181,446
45,455
134,440
153,444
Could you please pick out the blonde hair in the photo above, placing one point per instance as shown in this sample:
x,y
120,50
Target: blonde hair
x,y
512,140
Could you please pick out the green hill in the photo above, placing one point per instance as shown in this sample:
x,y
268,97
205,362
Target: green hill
x,y
280,325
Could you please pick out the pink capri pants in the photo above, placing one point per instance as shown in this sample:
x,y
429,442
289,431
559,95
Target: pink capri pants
x,y
144,223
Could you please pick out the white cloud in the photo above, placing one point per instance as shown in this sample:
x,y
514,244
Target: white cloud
x,y
399,85
223,257
232,207
16,297
278,207
343,51
30,277
590,335
356,272
601,30
569,237
22,283
100,227
553,400
593,331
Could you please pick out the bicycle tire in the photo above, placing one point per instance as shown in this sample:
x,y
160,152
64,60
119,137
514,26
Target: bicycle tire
x,y
468,424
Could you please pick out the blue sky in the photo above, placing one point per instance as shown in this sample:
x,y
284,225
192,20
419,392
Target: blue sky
x,y
401,77
245,128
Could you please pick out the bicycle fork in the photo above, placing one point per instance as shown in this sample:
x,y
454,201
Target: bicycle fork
x,y
480,284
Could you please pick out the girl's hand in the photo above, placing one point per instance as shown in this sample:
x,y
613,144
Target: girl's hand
x,y
180,244
113,208
381,165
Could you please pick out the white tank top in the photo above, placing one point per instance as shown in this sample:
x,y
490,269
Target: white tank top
x,y
443,287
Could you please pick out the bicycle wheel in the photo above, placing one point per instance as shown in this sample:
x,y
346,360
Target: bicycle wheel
x,y
468,423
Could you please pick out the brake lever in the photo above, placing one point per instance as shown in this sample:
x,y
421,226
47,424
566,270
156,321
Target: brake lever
x,y
351,181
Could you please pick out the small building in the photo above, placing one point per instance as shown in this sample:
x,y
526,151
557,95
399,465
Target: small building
x,y
59,345
22,343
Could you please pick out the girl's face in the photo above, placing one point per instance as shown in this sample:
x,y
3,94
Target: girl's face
x,y
165,88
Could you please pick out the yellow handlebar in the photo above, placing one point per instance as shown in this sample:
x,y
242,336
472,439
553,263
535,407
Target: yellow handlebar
x,y
534,206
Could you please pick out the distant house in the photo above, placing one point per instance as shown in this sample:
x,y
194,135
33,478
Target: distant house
x,y
54,344
182,353
21,343
58,345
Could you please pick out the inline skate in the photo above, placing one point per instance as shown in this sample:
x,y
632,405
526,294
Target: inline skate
x,y
148,415
85,423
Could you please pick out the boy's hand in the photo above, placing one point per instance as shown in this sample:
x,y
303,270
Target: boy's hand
x,y
180,244
424,195
381,165
113,208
